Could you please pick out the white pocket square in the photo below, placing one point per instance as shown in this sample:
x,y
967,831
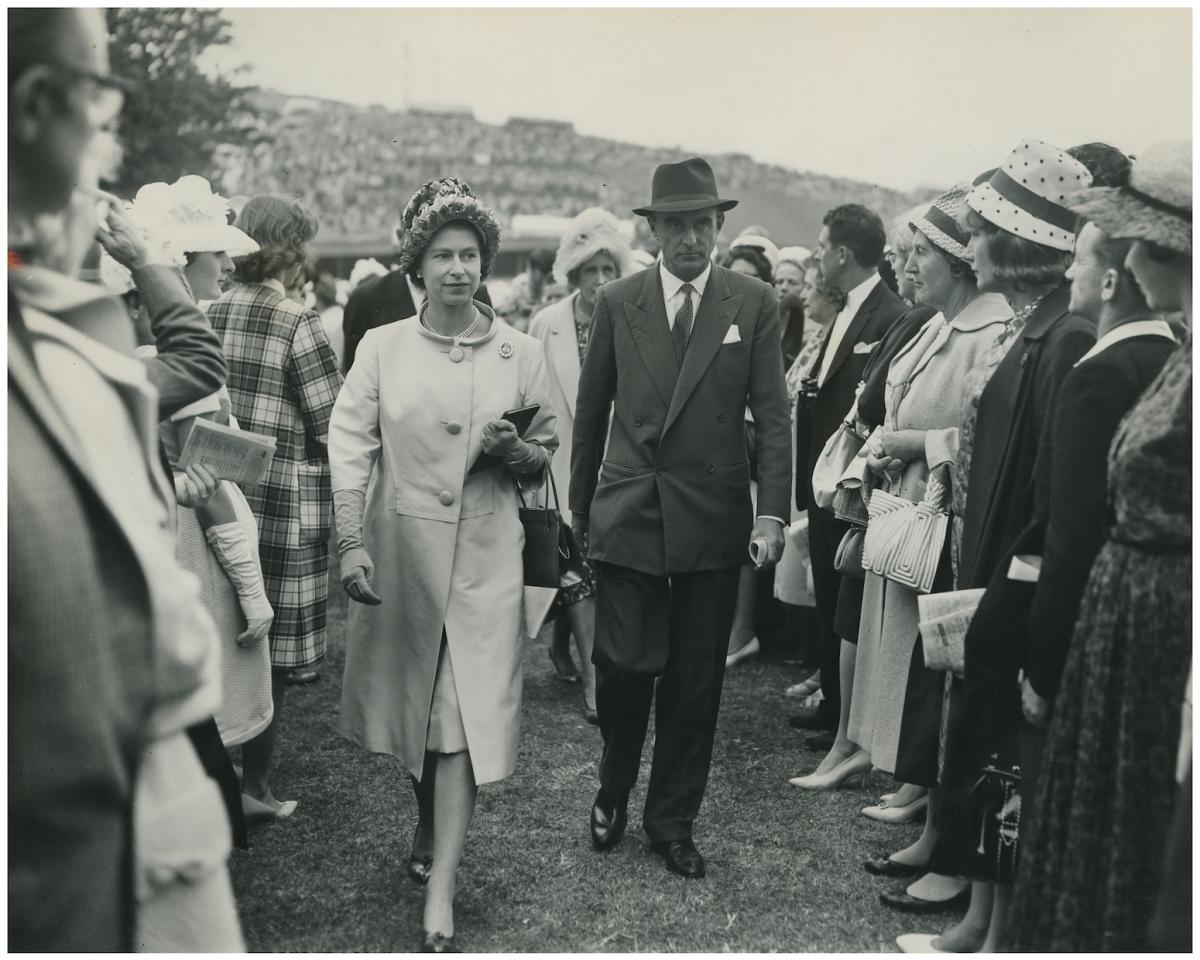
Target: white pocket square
x,y
865,347
733,335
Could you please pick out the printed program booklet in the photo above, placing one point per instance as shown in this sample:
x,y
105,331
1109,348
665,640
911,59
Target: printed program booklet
x,y
227,452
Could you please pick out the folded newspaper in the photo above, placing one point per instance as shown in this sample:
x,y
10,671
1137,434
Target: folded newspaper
x,y
944,619
227,452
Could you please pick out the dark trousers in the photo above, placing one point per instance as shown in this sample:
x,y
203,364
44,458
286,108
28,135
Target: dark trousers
x,y
676,630
824,534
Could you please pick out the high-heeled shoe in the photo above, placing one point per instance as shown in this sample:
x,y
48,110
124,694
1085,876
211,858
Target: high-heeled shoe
x,y
886,813
438,943
751,649
856,766
420,868
805,688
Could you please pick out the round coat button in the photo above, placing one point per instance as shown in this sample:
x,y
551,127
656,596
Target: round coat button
x,y
637,421
456,354
710,468
720,418
445,498
454,428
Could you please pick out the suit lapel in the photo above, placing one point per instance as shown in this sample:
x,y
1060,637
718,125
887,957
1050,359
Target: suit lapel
x,y
854,330
564,350
647,319
716,313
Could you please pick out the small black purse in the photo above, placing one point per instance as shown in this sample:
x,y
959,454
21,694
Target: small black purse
x,y
551,553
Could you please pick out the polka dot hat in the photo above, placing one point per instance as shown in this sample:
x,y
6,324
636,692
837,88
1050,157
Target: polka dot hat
x,y
1026,197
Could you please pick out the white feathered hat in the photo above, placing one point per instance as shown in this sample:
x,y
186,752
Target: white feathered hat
x,y
593,231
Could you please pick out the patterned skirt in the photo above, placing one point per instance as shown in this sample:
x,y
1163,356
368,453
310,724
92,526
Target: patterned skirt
x,y
1095,833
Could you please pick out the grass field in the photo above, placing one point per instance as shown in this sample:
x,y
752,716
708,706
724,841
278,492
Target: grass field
x,y
783,864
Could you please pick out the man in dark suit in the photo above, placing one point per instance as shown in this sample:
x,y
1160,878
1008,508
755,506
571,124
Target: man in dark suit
x,y
663,498
849,248
379,300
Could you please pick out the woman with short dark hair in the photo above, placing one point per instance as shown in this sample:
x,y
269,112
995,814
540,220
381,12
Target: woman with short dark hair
x,y
283,380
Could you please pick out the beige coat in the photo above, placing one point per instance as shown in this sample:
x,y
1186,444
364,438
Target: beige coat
x,y
555,328
924,392
446,545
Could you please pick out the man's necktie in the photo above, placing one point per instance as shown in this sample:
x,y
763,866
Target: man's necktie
x,y
683,323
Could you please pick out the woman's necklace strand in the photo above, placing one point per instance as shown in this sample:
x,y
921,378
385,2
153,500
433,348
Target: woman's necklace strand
x,y
458,337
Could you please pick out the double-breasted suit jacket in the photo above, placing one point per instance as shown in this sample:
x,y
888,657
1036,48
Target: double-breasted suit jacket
x,y
670,493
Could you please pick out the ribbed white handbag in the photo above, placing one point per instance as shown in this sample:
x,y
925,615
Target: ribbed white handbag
x,y
904,539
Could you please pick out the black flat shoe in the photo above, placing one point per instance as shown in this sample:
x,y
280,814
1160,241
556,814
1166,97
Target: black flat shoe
x,y
820,742
609,818
887,867
564,664
419,868
905,902
681,857
438,943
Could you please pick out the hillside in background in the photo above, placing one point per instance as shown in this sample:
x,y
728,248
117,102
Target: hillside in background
x,y
356,166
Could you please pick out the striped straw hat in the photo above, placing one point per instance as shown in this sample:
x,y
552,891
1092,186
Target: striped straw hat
x,y
938,223
1026,197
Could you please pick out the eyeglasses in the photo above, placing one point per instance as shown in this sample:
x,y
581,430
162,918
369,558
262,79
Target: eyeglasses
x,y
108,93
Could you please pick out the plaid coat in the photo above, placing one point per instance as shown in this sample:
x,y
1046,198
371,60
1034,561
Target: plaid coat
x,y
283,380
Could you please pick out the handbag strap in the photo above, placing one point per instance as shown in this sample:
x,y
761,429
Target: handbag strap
x,y
553,490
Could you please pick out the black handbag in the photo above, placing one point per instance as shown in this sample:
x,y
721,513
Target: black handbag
x,y
550,548
996,810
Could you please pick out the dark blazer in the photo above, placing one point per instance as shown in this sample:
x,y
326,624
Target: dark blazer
x,y
791,323
80,684
1013,430
871,398
817,420
671,493
1071,504
380,300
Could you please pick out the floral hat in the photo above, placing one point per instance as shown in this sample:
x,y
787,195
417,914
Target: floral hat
x,y
438,203
1156,204
938,223
593,231
1026,197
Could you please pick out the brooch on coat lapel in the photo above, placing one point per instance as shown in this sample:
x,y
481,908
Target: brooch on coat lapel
x,y
505,350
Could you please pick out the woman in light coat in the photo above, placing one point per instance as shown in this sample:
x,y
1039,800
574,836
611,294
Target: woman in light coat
x,y
592,252
432,552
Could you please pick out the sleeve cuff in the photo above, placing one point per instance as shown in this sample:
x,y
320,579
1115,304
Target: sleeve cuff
x,y
767,516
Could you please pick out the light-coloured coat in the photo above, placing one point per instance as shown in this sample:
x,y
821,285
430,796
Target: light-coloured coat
x,y
446,544
924,387
554,326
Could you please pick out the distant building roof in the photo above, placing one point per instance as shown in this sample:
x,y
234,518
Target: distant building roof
x,y
539,122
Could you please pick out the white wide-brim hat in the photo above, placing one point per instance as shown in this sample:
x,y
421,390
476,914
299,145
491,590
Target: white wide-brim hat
x,y
1027,196
796,254
1156,204
188,217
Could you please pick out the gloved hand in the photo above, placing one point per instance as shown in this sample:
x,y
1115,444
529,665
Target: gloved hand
x,y
229,543
500,437
356,566
195,486
357,571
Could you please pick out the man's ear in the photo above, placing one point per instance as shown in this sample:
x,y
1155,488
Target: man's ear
x,y
720,220
1110,283
652,223
29,103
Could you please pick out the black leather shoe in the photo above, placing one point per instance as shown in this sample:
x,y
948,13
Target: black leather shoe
x,y
811,720
905,902
438,943
819,742
419,868
609,818
681,857
887,867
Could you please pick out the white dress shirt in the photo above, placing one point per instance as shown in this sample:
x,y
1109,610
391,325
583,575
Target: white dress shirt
x,y
854,300
673,292
1139,328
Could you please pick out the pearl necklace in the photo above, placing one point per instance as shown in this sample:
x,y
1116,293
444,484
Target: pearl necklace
x,y
457,338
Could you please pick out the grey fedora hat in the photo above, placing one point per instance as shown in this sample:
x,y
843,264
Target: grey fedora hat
x,y
684,186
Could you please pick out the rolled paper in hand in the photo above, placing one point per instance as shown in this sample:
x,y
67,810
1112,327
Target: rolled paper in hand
x,y
758,551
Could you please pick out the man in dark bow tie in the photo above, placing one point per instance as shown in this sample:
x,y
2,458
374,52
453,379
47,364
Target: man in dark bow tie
x,y
660,488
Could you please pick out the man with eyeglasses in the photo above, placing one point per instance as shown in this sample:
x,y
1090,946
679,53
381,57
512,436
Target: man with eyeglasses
x,y
117,838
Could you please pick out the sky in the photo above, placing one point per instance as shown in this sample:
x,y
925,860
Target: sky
x,y
901,98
